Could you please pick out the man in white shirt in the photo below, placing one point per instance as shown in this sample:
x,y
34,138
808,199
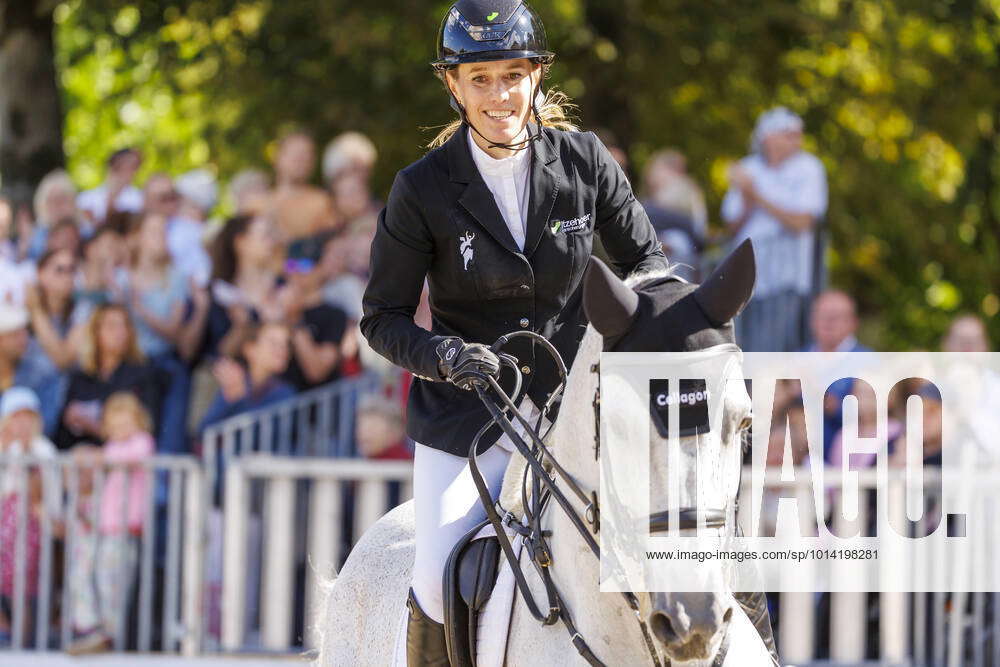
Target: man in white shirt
x,y
117,193
777,196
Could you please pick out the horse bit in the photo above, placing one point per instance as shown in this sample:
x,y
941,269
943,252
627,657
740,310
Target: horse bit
x,y
531,532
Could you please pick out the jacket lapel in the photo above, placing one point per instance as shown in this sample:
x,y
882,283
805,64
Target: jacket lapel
x,y
477,198
544,184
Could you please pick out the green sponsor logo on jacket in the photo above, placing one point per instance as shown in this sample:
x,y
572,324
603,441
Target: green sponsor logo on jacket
x,y
570,226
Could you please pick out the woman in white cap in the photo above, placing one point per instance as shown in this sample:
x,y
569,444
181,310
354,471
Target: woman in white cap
x,y
777,197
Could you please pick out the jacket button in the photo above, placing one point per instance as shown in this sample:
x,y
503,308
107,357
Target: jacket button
x,y
525,322
526,370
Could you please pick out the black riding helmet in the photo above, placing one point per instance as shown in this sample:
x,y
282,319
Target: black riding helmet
x,y
475,31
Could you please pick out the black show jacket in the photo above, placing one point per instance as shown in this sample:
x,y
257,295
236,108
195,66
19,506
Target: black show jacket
x,y
442,222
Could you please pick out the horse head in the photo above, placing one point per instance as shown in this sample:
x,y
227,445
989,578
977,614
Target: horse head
x,y
666,314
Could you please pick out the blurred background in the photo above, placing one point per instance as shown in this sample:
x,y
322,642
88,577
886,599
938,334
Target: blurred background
x,y
899,101
188,191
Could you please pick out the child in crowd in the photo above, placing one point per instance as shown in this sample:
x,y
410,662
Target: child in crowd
x,y
104,566
24,498
379,432
253,379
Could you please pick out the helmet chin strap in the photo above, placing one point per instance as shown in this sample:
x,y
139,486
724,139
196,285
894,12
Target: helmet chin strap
x,y
515,146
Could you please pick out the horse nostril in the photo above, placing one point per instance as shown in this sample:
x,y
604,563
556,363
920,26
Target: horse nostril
x,y
728,616
663,629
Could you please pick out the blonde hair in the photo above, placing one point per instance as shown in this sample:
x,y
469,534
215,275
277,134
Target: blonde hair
x,y
556,111
90,355
57,179
348,150
124,400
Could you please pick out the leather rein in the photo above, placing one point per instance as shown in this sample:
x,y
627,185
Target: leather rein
x,y
543,488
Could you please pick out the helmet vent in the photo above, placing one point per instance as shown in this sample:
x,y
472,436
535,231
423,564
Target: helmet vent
x,y
483,12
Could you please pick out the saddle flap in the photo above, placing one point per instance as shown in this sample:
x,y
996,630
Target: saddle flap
x,y
477,571
469,577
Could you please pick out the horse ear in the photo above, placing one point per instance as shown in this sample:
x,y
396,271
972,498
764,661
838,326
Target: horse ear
x,y
609,303
724,294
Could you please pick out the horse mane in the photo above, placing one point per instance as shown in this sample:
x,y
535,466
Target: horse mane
x,y
636,279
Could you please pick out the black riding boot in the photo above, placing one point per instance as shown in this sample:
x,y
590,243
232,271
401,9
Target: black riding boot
x,y
755,606
425,642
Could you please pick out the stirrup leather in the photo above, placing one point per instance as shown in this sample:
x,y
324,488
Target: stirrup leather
x,y
425,642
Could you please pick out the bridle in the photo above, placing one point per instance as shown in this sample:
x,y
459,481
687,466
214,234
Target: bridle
x,y
543,489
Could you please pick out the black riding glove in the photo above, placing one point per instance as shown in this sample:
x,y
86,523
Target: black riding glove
x,y
464,364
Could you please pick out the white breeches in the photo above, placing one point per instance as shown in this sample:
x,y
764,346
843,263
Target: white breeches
x,y
446,505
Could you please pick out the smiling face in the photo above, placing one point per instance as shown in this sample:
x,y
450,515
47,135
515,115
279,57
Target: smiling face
x,y
496,97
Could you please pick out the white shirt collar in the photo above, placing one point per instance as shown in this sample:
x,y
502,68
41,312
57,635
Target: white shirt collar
x,y
490,165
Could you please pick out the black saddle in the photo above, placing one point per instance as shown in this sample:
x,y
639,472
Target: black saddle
x,y
469,577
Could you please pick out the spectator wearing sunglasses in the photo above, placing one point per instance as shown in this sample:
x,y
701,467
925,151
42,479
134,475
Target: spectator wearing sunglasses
x,y
55,340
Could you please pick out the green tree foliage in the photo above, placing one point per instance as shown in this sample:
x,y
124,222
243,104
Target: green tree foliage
x,y
900,99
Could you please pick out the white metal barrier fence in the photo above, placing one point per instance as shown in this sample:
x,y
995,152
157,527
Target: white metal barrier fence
x,y
340,491
310,511
56,518
319,422
889,628
893,628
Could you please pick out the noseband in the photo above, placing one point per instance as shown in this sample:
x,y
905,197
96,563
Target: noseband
x,y
544,488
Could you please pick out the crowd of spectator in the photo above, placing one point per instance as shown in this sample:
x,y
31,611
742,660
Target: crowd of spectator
x,y
139,289
131,319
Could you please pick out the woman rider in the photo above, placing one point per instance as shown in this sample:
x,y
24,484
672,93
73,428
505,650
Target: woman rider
x,y
499,218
